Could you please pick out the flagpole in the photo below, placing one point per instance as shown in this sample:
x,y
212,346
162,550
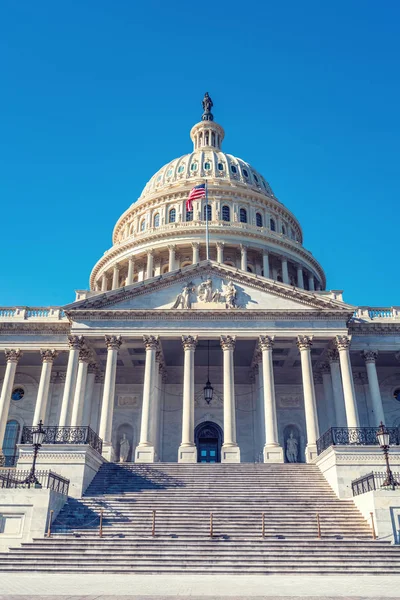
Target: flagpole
x,y
207,234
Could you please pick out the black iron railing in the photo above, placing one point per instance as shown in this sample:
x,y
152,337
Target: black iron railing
x,y
358,436
13,478
371,481
66,435
7,460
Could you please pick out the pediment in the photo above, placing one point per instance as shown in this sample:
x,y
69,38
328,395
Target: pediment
x,y
209,286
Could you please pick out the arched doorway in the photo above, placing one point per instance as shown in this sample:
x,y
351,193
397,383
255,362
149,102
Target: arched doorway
x,y
208,440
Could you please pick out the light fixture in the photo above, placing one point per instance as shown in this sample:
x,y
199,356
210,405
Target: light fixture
x,y
208,388
383,436
38,434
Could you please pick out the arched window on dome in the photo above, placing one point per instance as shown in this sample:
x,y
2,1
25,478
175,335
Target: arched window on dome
x,y
193,166
220,166
243,215
226,213
156,220
172,216
189,215
272,225
213,139
259,220
207,166
207,213
206,138
142,224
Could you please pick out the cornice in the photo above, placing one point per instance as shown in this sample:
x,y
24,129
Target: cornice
x,y
374,328
35,328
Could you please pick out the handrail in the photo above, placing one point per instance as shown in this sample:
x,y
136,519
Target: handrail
x,y
359,436
16,478
65,435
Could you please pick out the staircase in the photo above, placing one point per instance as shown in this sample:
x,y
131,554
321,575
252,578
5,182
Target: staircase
x,y
183,496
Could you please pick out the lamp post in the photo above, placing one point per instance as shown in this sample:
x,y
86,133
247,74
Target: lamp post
x,y
37,440
383,439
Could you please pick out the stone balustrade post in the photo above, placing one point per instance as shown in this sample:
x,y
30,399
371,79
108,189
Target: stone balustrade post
x,y
48,357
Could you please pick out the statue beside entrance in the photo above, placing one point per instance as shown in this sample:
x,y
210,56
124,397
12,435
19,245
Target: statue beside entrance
x,y
292,448
124,447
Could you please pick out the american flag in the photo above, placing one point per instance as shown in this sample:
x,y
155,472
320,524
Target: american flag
x,y
199,191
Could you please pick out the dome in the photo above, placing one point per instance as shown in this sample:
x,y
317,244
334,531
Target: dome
x,y
247,226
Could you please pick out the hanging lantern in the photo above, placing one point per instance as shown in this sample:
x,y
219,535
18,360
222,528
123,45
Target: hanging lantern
x,y
208,392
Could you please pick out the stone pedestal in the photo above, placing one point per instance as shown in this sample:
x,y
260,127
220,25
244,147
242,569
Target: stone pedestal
x,y
108,452
144,454
230,454
311,453
273,454
187,454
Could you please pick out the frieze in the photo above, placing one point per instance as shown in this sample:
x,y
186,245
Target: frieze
x,y
128,401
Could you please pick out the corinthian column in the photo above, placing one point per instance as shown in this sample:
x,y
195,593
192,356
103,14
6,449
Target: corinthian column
x,y
272,450
243,259
285,272
328,393
48,357
220,252
230,451
266,264
337,388
171,260
343,345
145,450
196,252
12,358
75,345
131,265
187,450
373,383
115,279
150,262
80,388
113,343
310,407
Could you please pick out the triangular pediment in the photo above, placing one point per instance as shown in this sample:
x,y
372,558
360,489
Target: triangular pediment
x,y
209,285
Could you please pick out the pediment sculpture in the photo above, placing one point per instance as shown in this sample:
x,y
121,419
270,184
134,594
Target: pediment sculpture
x,y
206,293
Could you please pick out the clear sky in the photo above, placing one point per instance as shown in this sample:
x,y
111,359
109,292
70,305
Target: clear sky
x,y
95,96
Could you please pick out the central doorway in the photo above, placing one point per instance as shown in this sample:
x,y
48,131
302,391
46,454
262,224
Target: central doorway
x,y
208,439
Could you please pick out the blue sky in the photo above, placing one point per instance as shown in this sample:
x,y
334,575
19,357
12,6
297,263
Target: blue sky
x,y
97,96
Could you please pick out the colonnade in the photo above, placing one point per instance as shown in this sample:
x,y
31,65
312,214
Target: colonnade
x,y
80,376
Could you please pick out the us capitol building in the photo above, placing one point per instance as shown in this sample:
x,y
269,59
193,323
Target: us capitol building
x,y
171,356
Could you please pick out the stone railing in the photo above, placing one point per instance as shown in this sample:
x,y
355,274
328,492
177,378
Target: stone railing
x,y
65,435
357,436
31,313
376,313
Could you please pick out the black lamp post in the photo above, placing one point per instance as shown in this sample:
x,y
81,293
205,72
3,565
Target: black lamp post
x,y
383,439
208,388
37,440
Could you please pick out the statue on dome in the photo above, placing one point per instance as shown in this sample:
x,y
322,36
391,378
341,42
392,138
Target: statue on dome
x,y
230,294
207,106
292,448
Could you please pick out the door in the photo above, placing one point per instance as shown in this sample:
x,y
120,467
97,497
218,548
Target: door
x,y
208,450
208,439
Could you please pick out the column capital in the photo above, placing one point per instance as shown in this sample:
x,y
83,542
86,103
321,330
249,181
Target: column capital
x,y
75,342
12,355
113,342
92,367
325,369
228,342
48,356
342,342
116,267
266,342
333,355
369,356
85,355
131,258
171,247
360,377
220,244
194,245
243,247
150,252
265,253
151,342
189,342
304,342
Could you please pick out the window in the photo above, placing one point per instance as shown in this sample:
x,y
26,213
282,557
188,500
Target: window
x,y
11,438
226,213
172,216
159,177
142,225
396,394
17,394
207,166
220,167
181,169
259,220
283,230
189,215
233,169
255,177
245,173
249,270
207,212
272,225
243,215
169,172
193,167
157,220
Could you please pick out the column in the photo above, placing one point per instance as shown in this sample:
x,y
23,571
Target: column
x,y
266,264
48,357
243,258
230,451
300,279
304,344
285,272
337,388
311,283
12,358
150,261
187,450
115,280
155,421
374,390
104,282
220,252
272,450
113,343
328,394
87,403
80,388
196,252
171,260
343,345
144,452
75,344
131,266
